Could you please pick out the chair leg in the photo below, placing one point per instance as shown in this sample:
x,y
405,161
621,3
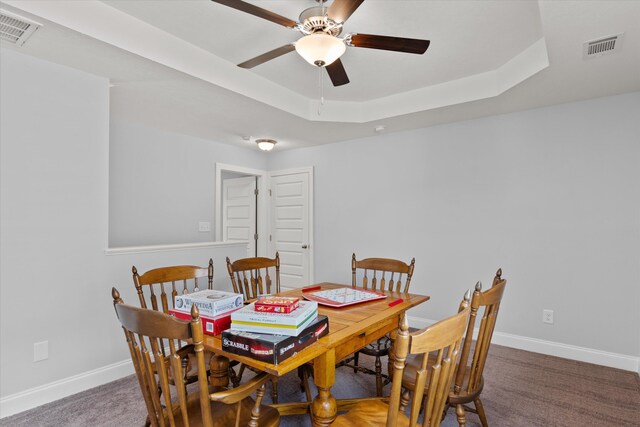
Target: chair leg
x,y
444,411
238,377
306,372
355,361
405,398
462,418
255,412
301,377
235,381
481,414
274,390
378,376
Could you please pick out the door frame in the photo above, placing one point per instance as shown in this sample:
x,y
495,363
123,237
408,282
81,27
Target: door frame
x,y
311,248
263,204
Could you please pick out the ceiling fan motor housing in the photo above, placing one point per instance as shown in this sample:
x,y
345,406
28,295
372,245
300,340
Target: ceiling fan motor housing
x,y
314,20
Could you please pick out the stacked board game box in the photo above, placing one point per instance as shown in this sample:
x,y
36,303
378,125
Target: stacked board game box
x,y
210,325
275,304
292,324
273,348
215,308
210,302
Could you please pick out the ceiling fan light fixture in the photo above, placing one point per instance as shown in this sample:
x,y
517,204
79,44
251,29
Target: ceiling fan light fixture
x,y
320,49
266,144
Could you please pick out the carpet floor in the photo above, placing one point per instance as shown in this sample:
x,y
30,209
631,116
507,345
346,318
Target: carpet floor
x,y
521,389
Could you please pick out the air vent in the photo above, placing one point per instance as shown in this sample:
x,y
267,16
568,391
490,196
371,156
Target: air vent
x,y
602,46
15,29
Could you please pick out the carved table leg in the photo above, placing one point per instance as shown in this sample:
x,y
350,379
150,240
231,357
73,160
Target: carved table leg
x,y
219,371
324,407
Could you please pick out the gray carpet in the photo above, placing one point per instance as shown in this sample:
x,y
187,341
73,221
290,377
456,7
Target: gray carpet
x,y
521,389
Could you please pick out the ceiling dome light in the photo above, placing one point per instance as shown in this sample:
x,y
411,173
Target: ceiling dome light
x,y
320,49
266,144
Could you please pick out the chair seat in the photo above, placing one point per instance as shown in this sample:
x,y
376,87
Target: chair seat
x,y
368,414
225,415
409,375
464,396
192,367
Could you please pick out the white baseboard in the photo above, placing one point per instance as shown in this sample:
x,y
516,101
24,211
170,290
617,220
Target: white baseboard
x,y
37,396
566,351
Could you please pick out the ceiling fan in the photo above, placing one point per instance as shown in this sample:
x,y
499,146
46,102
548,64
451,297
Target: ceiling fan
x,y
320,44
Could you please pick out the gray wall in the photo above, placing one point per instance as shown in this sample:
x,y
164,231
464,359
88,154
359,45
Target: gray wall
x,y
550,195
55,278
162,184
54,140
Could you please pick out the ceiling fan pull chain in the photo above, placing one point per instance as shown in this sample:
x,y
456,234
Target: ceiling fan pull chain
x,y
321,91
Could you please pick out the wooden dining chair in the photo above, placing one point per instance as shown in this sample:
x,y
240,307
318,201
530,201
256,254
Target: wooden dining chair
x,y
444,340
253,277
378,274
166,283
146,332
469,381
157,290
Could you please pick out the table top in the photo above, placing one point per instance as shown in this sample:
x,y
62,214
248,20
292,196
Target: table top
x,y
344,324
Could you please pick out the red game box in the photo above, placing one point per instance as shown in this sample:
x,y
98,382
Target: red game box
x,y
210,325
273,304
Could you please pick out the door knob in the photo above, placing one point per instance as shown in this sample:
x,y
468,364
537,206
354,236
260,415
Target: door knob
x,y
304,246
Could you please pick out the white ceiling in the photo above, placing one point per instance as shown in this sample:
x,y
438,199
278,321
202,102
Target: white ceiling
x,y
172,63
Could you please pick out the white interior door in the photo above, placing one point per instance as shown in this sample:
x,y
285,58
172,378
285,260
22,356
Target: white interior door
x,y
291,225
239,211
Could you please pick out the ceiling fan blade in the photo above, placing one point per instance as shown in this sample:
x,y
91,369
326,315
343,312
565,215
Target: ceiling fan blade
x,y
337,74
396,44
341,10
258,11
272,54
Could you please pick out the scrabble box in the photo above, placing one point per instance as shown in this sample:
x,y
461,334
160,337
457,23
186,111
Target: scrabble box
x,y
273,348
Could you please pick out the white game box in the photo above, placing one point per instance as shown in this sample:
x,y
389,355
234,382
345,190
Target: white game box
x,y
210,302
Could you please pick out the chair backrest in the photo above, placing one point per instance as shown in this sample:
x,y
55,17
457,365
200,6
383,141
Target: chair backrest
x,y
251,276
381,273
444,340
146,332
490,300
177,280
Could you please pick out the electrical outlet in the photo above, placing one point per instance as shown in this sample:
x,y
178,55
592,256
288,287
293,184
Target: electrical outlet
x,y
40,351
204,226
547,316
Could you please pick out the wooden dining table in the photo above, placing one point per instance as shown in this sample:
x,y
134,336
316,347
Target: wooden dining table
x,y
350,329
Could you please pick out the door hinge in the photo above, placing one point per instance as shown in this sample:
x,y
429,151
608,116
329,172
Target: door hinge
x,y
269,237
255,191
255,236
269,192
